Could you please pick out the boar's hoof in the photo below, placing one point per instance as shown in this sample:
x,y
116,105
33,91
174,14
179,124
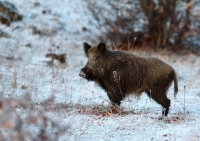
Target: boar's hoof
x,y
82,74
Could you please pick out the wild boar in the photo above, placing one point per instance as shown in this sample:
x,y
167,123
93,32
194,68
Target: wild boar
x,y
120,73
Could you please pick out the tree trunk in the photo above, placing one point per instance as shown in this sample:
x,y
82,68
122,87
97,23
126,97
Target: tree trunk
x,y
163,22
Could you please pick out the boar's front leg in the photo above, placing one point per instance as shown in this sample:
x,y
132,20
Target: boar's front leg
x,y
115,97
114,94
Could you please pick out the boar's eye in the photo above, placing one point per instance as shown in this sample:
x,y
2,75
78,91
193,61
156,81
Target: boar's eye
x,y
96,58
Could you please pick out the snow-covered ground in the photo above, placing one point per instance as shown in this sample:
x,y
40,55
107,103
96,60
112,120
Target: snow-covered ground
x,y
56,26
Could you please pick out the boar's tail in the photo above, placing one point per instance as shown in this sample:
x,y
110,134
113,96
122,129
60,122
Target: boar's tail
x,y
175,85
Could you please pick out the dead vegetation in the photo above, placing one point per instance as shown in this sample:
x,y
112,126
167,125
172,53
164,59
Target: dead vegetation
x,y
164,24
104,111
16,126
59,57
8,13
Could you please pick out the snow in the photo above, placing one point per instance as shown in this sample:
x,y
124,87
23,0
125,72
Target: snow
x,y
61,28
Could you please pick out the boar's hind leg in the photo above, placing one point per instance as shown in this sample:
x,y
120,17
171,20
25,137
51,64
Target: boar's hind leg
x,y
161,98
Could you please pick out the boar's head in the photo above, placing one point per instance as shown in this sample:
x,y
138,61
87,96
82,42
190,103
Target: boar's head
x,y
95,66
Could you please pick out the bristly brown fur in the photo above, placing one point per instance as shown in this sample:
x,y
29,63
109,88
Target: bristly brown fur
x,y
120,74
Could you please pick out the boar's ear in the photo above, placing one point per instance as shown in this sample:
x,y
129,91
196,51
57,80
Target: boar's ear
x,y
86,48
102,48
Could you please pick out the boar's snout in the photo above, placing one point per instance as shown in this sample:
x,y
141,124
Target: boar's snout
x,y
82,74
86,73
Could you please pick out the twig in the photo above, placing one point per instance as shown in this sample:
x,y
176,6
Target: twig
x,y
117,80
184,100
135,38
65,93
70,98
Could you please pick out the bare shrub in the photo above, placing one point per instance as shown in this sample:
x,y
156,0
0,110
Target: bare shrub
x,y
171,24
60,57
21,121
8,13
